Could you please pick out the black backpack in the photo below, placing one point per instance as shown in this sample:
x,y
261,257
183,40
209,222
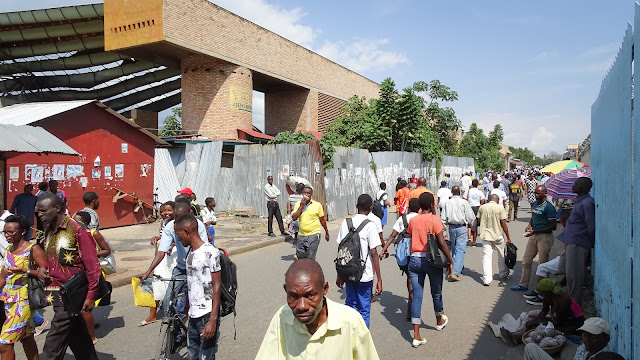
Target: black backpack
x,y
377,207
229,285
349,263
510,255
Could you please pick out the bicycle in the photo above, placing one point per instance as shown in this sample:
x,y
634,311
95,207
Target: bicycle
x,y
171,322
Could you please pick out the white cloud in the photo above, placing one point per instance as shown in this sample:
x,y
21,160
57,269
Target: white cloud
x,y
362,54
544,55
356,54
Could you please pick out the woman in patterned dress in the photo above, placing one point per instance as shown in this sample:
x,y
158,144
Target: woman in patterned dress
x,y
18,325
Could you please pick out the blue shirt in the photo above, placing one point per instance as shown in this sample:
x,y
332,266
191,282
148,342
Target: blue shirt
x,y
169,238
25,205
581,225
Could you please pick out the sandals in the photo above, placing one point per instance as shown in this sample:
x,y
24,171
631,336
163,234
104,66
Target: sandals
x,y
145,322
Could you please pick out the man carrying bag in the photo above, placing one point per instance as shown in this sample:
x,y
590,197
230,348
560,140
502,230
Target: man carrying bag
x,y
64,241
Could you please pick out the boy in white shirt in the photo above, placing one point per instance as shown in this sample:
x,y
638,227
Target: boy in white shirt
x,y
209,217
204,289
359,294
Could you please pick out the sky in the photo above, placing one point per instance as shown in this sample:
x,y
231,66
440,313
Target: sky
x,y
534,67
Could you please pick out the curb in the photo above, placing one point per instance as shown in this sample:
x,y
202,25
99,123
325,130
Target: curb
x,y
126,279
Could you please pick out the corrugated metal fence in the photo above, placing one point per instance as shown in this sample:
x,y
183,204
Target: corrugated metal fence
x,y
612,145
456,167
198,166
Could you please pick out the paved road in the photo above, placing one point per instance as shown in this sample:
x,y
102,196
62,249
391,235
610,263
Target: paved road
x,y
468,304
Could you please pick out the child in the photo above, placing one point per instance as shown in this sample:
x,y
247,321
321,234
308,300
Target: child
x,y
204,288
164,268
84,218
209,217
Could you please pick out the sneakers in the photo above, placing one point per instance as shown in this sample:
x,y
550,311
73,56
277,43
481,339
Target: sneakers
x,y
415,343
453,278
530,295
40,329
519,288
446,321
271,234
535,301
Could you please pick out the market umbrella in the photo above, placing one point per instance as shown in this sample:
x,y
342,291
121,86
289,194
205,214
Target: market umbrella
x,y
559,185
558,166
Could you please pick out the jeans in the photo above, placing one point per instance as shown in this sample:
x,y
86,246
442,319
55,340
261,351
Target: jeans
x,y
273,209
458,238
197,347
359,298
212,231
37,318
513,208
418,269
487,262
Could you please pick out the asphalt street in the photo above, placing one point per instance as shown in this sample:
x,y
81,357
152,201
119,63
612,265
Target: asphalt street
x,y
468,304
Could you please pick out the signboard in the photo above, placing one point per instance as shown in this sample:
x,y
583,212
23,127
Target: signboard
x,y
240,99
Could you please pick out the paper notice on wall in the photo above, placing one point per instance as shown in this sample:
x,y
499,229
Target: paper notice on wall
x,y
240,98
96,162
95,173
124,147
145,169
107,172
34,173
14,173
75,171
84,182
316,167
285,170
119,169
58,172
269,171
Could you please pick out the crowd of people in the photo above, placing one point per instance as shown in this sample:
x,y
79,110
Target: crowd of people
x,y
437,230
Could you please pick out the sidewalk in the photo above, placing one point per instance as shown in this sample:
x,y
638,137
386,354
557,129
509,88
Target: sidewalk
x,y
134,252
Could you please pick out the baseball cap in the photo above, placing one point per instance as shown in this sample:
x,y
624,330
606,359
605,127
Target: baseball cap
x,y
186,191
595,326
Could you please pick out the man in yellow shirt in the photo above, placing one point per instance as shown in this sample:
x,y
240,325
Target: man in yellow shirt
x,y
311,326
311,216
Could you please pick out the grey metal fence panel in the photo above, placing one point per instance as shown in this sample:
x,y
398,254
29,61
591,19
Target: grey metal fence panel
x,y
177,157
611,148
457,166
165,181
635,295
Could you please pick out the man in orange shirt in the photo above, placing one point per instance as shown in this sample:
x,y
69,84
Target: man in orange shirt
x,y
422,188
402,198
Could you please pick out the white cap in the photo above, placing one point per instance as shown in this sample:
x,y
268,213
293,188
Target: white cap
x,y
595,326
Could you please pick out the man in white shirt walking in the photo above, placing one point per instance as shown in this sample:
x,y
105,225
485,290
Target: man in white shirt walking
x,y
443,194
475,198
492,223
271,193
501,194
359,294
458,215
465,184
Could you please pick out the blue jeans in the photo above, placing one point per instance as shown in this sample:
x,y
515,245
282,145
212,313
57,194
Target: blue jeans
x,y
418,269
196,346
458,237
359,298
37,318
212,231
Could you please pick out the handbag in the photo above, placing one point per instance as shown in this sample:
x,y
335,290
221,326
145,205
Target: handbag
x,y
35,288
435,256
108,264
74,293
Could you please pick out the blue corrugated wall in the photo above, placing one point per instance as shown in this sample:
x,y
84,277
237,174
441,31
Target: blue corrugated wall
x,y
612,149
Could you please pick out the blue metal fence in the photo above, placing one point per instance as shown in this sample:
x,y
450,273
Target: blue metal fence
x,y
612,146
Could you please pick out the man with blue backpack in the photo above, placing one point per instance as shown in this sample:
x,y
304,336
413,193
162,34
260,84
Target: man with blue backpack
x,y
402,239
357,259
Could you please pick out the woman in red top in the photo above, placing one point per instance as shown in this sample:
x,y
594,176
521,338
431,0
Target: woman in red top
x,y
420,227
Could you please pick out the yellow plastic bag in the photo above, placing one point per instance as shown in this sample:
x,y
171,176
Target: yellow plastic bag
x,y
143,292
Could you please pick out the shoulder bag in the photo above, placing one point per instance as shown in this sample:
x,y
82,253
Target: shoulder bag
x,y
74,292
435,256
35,287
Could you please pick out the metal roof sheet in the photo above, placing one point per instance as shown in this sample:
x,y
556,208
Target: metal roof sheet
x,y
25,138
27,113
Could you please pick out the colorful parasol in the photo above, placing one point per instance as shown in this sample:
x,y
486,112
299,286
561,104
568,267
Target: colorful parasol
x,y
558,166
559,185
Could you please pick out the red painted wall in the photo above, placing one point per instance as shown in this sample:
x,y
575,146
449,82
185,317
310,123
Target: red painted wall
x,y
92,131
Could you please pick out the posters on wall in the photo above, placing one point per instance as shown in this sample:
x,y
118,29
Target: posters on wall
x,y
124,147
14,173
119,170
33,173
95,173
269,171
58,172
84,182
285,170
75,171
316,167
107,172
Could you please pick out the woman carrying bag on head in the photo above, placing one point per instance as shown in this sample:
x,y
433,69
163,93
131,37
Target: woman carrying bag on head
x,y
18,325
424,263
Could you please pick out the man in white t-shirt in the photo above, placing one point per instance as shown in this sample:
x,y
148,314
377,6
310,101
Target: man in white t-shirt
x,y
359,294
398,228
501,194
204,284
384,202
475,198
209,217
443,194
465,184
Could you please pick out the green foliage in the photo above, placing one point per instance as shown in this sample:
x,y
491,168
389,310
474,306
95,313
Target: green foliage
x,y
172,123
287,137
485,150
386,108
359,126
443,119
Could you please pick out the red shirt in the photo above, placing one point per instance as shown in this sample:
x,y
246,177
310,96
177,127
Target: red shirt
x,y
68,250
420,227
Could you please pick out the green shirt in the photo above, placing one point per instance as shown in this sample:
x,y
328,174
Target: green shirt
x,y
541,215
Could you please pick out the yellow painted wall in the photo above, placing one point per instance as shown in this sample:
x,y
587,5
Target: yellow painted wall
x,y
130,23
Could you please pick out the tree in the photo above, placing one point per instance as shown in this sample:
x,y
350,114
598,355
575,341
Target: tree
x,y
496,136
386,107
443,120
359,126
172,123
484,149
